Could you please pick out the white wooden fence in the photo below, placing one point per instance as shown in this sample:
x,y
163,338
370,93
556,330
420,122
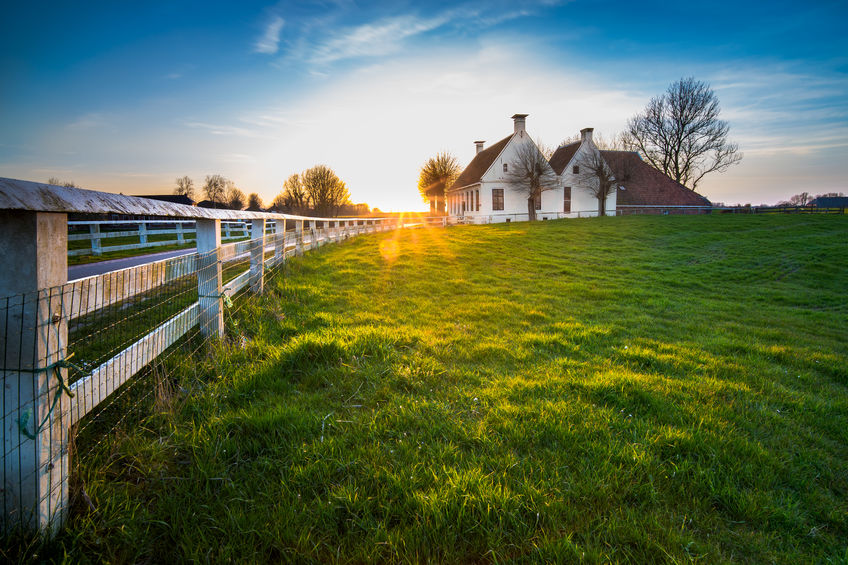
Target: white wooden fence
x,y
40,303
148,232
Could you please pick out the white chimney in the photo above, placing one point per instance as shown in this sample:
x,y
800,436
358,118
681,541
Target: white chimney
x,y
479,145
518,120
586,134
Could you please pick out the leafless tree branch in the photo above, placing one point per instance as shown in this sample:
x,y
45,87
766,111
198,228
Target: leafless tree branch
x,y
530,174
680,133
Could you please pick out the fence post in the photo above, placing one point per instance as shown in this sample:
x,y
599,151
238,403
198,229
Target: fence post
x,y
209,287
180,237
298,237
257,255
96,249
34,247
279,241
142,233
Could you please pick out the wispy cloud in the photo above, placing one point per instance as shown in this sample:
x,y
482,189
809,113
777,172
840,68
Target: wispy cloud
x,y
269,43
320,42
89,121
382,37
216,129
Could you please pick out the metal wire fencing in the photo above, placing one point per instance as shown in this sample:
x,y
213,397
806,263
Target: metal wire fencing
x,y
84,359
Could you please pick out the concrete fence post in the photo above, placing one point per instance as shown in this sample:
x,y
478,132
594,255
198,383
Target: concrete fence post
x,y
36,411
142,233
209,283
257,255
180,235
96,248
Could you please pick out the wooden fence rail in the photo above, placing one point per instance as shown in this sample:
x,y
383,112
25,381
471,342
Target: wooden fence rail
x,y
40,305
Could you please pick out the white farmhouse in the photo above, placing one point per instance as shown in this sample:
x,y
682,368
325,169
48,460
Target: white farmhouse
x,y
481,193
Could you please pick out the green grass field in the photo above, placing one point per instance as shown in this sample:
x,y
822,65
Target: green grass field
x,y
639,389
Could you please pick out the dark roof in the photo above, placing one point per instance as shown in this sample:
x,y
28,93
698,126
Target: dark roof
x,y
480,164
173,198
215,205
559,160
647,185
829,202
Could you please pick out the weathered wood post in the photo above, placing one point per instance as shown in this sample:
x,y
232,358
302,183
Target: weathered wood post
x,y
209,287
95,239
298,234
180,235
34,334
257,255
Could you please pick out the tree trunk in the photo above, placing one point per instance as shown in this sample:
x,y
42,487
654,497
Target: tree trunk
x,y
602,205
531,208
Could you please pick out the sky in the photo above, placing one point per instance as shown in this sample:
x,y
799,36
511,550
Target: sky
x,y
128,96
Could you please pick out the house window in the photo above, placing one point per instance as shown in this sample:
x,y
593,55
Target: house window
x,y
478,199
537,200
575,169
497,199
566,206
506,167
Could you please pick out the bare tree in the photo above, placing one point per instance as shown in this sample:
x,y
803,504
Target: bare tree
x,y
436,175
325,189
599,180
67,183
530,174
235,198
254,202
214,188
680,133
293,197
185,187
613,142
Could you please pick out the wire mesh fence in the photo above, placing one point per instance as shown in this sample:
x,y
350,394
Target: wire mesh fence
x,y
87,358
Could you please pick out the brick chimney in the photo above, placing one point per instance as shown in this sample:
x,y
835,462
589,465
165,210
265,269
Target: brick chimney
x,y
518,120
479,145
586,134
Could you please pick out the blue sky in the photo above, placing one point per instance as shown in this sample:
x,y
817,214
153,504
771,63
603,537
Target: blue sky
x,y
125,97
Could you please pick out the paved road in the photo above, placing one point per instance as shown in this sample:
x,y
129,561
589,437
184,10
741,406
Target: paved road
x,y
90,269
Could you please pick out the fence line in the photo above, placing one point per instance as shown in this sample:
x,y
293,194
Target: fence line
x,y
145,230
71,349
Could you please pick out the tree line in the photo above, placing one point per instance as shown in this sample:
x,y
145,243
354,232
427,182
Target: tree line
x,y
316,191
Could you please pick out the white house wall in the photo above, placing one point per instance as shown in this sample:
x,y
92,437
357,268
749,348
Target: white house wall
x,y
583,202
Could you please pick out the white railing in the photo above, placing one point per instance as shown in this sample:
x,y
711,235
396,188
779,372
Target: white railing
x,y
40,408
148,232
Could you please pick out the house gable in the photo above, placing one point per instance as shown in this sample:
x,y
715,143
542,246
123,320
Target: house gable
x,y
563,156
480,165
